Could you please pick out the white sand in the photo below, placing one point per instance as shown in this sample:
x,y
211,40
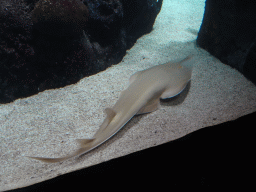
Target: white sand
x,y
48,123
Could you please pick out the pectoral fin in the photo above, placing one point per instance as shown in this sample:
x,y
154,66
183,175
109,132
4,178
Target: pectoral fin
x,y
149,107
173,91
84,142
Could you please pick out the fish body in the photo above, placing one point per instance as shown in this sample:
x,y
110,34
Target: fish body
x,y
142,96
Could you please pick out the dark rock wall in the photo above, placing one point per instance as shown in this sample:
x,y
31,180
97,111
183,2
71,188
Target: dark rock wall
x,y
228,32
52,43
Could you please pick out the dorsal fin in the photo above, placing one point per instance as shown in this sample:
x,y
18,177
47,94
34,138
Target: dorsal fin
x,y
110,115
134,77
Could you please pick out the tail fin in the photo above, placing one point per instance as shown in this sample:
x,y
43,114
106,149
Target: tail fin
x,y
85,146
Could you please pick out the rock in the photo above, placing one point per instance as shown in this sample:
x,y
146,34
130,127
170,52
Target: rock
x,y
139,17
228,32
60,17
51,44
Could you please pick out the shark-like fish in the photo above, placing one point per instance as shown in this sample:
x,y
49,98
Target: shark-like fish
x,y
142,96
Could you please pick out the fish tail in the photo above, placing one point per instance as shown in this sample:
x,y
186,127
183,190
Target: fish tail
x,y
85,146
